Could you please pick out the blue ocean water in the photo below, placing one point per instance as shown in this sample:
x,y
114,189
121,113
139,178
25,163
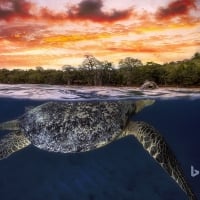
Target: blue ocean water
x,y
121,170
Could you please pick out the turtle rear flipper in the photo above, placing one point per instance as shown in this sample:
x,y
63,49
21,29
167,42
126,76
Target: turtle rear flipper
x,y
157,147
11,143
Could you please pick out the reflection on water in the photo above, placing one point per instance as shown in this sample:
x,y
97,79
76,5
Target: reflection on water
x,y
121,170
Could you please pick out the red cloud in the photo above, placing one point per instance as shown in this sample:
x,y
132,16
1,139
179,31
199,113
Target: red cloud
x,y
21,32
176,8
47,14
92,10
10,9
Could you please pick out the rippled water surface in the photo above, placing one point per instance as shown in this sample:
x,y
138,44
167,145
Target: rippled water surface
x,y
47,92
119,171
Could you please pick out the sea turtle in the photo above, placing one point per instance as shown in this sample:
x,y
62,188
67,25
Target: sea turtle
x,y
82,126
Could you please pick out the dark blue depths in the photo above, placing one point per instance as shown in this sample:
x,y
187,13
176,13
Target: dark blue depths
x,y
119,171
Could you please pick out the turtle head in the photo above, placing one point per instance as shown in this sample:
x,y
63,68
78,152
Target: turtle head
x,y
140,104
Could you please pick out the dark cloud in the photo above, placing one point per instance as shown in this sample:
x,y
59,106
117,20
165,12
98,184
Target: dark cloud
x,y
86,10
10,9
175,8
92,10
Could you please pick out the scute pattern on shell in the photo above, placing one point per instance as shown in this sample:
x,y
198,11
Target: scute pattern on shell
x,y
75,126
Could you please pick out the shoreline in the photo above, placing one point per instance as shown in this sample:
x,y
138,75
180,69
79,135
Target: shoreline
x,y
100,86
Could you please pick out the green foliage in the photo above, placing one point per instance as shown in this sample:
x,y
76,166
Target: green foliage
x,y
128,69
130,72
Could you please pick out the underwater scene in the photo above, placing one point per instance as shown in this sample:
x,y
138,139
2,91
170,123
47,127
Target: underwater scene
x,y
121,170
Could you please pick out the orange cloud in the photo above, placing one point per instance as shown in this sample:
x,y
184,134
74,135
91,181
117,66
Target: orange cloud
x,y
20,32
60,39
152,44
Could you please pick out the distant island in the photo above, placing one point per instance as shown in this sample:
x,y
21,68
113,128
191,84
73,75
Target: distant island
x,y
130,72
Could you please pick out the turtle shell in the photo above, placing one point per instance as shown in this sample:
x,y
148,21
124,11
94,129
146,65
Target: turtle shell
x,y
75,126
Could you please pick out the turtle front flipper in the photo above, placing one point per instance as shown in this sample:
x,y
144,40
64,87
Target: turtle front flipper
x,y
11,143
12,125
155,144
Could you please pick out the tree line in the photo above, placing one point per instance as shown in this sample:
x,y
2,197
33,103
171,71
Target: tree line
x,y
130,72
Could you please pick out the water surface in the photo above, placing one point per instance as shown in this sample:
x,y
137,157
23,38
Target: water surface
x,y
119,171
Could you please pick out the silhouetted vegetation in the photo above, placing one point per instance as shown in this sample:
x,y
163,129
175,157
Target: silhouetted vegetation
x,y
130,72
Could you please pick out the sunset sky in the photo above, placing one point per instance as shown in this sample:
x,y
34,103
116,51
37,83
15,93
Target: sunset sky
x,y
51,33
